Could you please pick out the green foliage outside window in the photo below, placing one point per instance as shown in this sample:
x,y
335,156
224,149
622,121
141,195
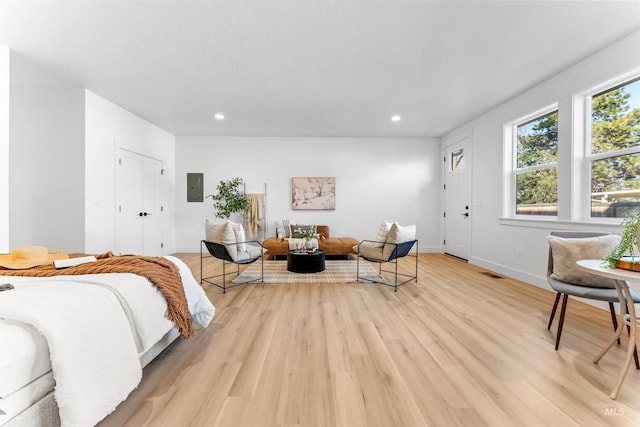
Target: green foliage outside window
x,y
615,126
537,191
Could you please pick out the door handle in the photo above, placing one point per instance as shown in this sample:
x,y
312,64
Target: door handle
x,y
144,214
466,214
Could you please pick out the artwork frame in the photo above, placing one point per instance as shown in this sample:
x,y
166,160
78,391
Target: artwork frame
x,y
313,193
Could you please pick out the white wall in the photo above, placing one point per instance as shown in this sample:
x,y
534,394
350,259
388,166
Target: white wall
x,y
4,148
496,242
109,126
376,179
47,167
62,164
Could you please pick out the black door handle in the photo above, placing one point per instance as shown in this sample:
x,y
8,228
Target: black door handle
x,y
466,214
144,214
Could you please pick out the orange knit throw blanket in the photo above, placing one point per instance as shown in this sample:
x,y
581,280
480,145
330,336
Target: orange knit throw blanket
x,y
160,271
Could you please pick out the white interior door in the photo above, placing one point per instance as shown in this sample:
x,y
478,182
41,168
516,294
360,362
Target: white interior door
x,y
138,207
457,198
151,207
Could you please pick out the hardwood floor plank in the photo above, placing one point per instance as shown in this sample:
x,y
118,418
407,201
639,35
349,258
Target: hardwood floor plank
x,y
458,348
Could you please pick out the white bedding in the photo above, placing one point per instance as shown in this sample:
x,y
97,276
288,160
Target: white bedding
x,y
24,358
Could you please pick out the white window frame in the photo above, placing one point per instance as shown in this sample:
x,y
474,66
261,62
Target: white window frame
x,y
583,155
510,137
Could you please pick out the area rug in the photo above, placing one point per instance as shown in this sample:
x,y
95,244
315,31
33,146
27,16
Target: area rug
x,y
336,271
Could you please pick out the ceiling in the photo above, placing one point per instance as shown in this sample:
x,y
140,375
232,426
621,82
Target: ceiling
x,y
306,67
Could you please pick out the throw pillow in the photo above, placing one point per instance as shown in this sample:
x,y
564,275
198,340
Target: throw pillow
x,y
280,234
238,231
286,224
398,234
383,233
566,251
369,250
214,230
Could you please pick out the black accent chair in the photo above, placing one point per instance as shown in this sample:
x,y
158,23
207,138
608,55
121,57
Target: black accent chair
x,y
219,251
605,293
400,250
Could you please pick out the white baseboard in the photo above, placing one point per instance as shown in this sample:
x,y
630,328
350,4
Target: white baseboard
x,y
532,279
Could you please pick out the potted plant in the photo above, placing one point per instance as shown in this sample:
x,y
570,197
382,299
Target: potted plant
x,y
229,198
628,239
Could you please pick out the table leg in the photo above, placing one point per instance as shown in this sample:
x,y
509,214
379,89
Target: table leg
x,y
621,323
632,341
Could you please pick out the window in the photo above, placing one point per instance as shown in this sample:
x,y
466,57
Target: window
x,y
614,151
457,159
536,165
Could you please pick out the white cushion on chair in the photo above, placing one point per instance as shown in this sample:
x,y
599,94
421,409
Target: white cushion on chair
x,y
383,233
398,234
238,231
215,231
228,233
566,251
370,250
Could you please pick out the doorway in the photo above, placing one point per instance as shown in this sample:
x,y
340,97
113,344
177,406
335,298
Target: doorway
x,y
138,205
457,197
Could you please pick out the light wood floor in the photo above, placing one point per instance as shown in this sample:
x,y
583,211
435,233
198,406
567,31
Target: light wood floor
x,y
458,348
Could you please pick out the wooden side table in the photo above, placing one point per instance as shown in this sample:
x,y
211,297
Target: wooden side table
x,y
305,262
627,311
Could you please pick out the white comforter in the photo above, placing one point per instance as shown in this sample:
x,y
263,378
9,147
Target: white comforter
x,y
96,333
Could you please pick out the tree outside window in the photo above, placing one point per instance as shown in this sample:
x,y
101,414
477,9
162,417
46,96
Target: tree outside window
x,y
615,151
536,166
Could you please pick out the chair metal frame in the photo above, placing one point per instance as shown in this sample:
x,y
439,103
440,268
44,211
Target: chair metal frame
x,y
400,250
219,251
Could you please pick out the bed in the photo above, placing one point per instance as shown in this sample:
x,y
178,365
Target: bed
x,y
83,369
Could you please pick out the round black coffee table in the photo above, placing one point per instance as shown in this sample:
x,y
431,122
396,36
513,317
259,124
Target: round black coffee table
x,y
305,262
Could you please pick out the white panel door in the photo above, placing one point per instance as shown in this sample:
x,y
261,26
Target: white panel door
x,y
138,207
151,207
457,195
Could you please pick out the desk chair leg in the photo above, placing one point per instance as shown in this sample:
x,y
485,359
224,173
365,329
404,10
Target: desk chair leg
x,y
553,310
614,319
565,298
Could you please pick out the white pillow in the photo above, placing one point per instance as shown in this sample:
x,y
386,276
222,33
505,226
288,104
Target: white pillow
x,y
228,233
214,230
286,224
398,234
566,251
383,233
238,231
369,250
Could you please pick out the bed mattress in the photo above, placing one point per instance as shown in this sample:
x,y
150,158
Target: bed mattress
x,y
25,366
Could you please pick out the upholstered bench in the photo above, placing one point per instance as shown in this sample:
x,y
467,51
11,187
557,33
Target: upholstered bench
x,y
330,245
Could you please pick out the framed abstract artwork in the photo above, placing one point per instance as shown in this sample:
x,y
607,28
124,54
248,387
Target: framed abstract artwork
x,y
313,193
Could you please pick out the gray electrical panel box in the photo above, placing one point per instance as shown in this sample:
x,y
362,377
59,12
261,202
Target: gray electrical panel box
x,y
195,187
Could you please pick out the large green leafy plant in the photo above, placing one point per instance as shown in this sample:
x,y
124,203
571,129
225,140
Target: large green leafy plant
x,y
628,238
229,198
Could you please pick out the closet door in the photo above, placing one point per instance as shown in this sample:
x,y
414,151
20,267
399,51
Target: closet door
x,y
138,207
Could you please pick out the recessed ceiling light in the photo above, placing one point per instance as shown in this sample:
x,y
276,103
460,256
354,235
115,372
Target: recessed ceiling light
x,y
396,118
219,116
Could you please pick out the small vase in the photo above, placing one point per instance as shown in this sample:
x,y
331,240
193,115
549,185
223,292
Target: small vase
x,y
308,243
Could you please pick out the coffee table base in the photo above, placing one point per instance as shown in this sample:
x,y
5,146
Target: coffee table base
x,y
306,262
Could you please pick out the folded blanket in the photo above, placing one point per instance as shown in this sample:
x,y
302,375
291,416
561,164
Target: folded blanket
x,y
160,271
